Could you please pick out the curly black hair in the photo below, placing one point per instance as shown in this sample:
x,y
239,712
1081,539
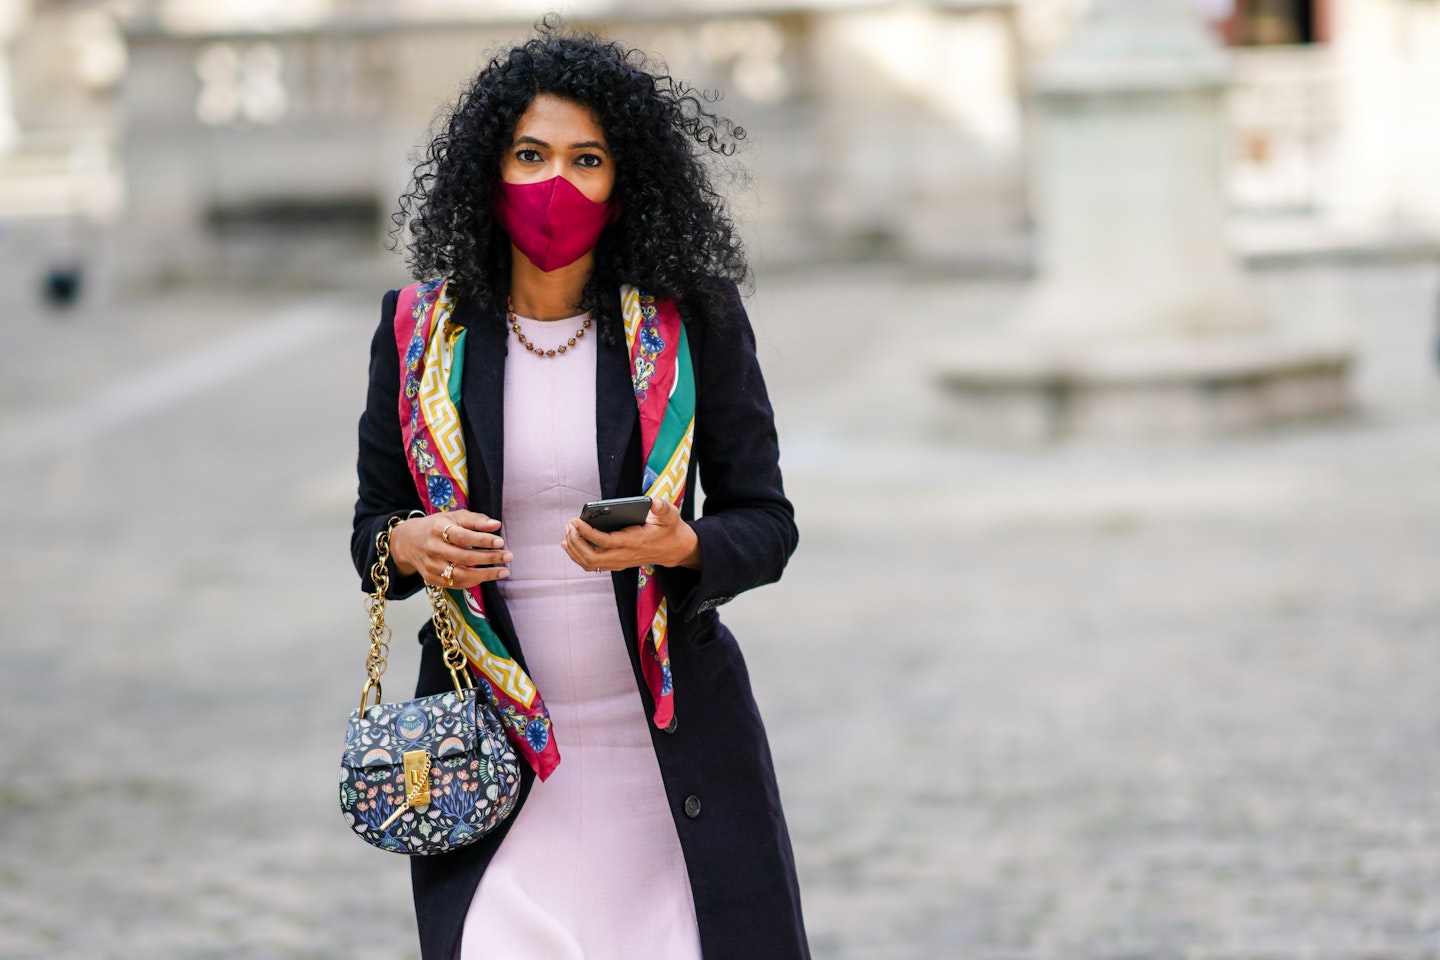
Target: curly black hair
x,y
673,237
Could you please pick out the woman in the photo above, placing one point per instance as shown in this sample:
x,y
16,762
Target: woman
x,y
587,341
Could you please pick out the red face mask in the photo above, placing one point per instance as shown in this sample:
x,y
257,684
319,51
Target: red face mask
x,y
552,223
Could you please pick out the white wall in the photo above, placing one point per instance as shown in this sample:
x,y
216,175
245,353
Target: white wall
x,y
1388,158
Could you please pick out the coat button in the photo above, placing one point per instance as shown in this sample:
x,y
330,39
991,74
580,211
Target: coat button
x,y
670,727
692,806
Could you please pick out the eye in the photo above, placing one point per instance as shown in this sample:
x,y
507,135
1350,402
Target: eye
x,y
527,155
589,160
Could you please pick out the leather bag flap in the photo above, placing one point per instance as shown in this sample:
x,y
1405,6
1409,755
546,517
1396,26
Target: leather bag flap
x,y
442,725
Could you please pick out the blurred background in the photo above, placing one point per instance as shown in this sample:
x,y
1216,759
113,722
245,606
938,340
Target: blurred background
x,y
1103,340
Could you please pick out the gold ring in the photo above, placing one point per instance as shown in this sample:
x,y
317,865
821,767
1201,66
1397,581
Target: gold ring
x,y
445,534
448,575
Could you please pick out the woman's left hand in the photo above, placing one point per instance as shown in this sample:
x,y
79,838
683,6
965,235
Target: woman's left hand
x,y
664,540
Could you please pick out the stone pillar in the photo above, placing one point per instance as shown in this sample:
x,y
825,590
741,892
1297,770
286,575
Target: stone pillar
x,y
1140,322
1129,179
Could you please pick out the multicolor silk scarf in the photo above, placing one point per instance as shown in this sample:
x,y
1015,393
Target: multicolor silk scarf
x,y
432,352
664,381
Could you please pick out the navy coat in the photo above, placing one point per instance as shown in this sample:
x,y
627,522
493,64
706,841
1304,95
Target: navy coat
x,y
715,761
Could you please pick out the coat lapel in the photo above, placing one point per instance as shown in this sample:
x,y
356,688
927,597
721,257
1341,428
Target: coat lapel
x,y
616,416
483,396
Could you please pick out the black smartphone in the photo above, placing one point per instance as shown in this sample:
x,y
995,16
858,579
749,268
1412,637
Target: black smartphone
x,y
607,516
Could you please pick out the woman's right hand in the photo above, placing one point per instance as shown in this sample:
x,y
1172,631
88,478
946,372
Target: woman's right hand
x,y
460,542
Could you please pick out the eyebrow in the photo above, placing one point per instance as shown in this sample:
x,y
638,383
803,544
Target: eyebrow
x,y
582,145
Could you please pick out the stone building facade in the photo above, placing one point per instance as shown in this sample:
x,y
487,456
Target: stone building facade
x,y
259,138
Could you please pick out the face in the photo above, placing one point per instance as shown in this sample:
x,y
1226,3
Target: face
x,y
560,138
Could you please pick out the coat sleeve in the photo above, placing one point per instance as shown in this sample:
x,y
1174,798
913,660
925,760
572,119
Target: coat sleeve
x,y
386,487
747,531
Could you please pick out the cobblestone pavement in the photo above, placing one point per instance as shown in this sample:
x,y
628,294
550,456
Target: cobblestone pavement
x,y
1080,702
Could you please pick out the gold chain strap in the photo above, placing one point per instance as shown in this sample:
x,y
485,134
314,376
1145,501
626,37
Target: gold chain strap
x,y
445,628
448,633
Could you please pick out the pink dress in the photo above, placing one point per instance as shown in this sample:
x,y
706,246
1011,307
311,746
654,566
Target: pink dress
x,y
592,867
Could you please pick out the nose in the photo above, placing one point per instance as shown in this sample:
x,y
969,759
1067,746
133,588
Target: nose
x,y
554,167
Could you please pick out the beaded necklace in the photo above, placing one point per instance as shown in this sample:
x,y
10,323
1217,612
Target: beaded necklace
x,y
541,352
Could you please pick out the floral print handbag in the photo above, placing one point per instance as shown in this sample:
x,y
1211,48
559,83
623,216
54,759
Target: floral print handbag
x,y
428,775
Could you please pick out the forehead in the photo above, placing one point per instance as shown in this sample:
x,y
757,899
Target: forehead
x,y
559,121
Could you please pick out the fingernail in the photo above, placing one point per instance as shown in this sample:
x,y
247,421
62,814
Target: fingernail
x,y
507,557
499,543
504,574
